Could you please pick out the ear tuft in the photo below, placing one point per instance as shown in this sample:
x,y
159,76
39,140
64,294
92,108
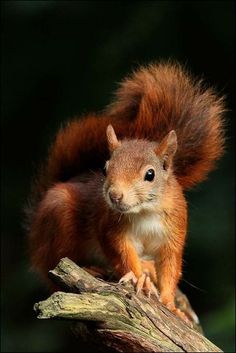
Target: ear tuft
x,y
112,140
167,148
172,142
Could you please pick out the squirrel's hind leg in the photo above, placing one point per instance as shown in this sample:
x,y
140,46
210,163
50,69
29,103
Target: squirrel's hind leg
x,y
96,271
55,230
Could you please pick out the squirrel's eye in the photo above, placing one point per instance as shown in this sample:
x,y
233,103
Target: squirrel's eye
x,y
150,174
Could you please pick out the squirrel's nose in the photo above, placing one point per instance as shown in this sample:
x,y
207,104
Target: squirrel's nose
x,y
115,196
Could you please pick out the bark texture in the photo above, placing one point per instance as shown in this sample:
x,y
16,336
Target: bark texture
x,y
117,319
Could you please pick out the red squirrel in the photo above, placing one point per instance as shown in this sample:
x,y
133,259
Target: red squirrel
x,y
111,193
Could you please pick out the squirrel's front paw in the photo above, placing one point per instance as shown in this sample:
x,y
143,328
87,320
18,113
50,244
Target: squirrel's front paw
x,y
141,283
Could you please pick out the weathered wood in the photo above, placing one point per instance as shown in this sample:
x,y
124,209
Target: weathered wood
x,y
119,319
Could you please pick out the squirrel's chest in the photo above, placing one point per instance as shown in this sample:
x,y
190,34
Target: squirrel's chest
x,y
147,234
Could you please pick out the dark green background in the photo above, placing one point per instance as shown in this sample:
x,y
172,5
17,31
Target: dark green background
x,y
62,58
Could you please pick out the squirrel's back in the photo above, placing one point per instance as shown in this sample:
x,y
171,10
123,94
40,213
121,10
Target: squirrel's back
x,y
148,104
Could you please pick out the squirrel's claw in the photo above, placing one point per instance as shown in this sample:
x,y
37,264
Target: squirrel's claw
x,y
129,276
150,288
142,283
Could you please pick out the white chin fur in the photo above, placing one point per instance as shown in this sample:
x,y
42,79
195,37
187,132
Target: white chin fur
x,y
143,206
135,209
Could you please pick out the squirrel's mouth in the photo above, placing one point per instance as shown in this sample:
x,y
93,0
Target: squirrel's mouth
x,y
122,208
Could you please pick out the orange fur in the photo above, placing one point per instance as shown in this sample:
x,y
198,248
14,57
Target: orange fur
x,y
148,104
121,254
71,212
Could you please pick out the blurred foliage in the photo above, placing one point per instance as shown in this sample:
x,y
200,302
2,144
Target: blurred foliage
x,y
63,58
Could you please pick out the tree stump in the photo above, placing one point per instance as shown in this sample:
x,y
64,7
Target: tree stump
x,y
112,315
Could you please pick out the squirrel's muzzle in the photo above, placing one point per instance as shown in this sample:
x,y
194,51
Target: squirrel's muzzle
x,y
115,197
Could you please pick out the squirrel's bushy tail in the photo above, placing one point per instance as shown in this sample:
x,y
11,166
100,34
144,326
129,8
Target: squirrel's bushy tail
x,y
159,98
148,104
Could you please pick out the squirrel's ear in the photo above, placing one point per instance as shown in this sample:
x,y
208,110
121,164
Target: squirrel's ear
x,y
112,140
167,148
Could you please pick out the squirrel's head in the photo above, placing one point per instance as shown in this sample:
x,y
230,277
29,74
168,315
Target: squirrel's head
x,y
137,172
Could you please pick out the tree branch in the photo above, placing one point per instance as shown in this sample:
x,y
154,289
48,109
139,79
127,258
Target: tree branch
x,y
113,315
